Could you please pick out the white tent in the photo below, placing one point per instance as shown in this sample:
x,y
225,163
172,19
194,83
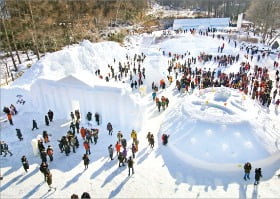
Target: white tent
x,y
108,101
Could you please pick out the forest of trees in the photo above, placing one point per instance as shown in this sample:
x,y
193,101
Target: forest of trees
x,y
213,8
48,25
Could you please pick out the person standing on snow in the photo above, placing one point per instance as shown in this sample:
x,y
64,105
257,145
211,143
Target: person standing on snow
x,y
50,152
97,118
47,122
133,150
9,116
109,128
164,138
86,161
72,116
247,169
49,181
87,147
25,163
111,151
19,134
50,115
44,168
133,136
130,163
258,175
5,149
34,125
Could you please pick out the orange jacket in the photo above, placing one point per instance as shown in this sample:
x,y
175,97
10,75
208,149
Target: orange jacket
x,y
86,145
9,116
83,132
118,147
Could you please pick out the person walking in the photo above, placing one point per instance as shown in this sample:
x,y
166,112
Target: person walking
x,y
50,152
130,163
9,116
97,118
134,150
5,148
258,175
34,125
247,170
111,151
25,163
49,180
86,161
110,128
50,115
19,134
47,121
87,147
44,168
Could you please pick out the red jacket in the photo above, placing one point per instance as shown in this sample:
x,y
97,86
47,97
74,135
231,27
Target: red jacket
x,y
86,145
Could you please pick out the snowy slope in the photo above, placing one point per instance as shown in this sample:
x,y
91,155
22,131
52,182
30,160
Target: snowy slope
x,y
209,140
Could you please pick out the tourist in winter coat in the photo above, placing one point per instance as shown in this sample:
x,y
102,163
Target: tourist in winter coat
x,y
19,134
89,116
34,125
119,136
43,155
95,135
40,145
124,153
123,142
77,124
111,151
50,115
86,161
13,109
5,149
87,147
118,147
85,195
73,143
164,138
49,180
9,116
247,169
44,168
83,133
133,135
133,150
109,128
50,152
72,127
47,122
152,141
89,136
121,160
46,136
72,116
67,149
97,118
25,163
258,175
130,163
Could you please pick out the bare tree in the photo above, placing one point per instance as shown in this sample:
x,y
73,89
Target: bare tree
x,y
265,15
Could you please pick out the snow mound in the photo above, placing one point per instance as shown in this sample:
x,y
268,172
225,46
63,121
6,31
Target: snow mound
x,y
206,132
86,56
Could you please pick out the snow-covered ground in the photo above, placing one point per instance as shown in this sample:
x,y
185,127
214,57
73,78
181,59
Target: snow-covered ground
x,y
213,132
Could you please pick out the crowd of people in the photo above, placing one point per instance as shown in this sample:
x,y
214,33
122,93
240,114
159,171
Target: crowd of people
x,y
184,68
